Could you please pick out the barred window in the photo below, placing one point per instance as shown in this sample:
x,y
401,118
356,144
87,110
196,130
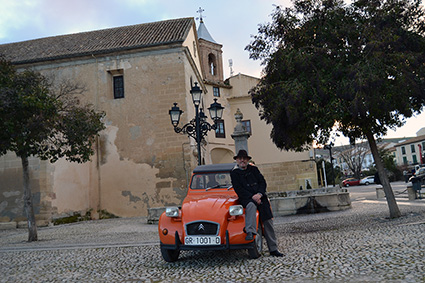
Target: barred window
x,y
216,91
118,86
219,131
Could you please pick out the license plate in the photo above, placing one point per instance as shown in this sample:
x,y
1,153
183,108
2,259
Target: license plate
x,y
202,240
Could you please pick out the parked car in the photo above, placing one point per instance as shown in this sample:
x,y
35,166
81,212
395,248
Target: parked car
x,y
351,182
210,217
367,180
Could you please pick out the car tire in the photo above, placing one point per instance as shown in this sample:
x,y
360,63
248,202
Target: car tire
x,y
347,185
170,255
367,183
255,252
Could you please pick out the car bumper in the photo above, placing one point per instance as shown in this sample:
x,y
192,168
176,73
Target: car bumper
x,y
227,246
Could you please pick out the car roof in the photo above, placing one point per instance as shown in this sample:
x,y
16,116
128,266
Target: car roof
x,y
223,167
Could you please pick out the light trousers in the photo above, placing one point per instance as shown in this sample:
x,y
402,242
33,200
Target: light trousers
x,y
251,226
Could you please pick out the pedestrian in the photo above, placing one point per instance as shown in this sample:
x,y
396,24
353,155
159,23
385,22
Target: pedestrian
x,y
250,186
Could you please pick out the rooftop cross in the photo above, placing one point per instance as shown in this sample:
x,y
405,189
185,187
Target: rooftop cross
x,y
200,10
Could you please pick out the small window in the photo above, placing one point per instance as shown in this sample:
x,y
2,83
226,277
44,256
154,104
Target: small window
x,y
219,131
216,91
415,160
247,124
404,160
412,148
403,150
118,86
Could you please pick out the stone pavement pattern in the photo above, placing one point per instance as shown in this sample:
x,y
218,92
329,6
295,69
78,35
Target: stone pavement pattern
x,y
356,245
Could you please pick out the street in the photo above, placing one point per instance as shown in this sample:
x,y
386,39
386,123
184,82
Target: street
x,y
356,245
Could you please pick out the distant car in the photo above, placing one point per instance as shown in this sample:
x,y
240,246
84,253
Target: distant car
x,y
351,182
367,180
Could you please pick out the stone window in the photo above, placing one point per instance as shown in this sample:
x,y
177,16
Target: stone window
x,y
118,86
216,91
117,77
412,148
403,150
247,124
220,131
415,160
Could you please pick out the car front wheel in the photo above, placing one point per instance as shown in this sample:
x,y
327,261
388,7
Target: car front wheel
x,y
255,252
347,185
367,183
170,255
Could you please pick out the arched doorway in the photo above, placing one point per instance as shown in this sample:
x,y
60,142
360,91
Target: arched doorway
x,y
221,155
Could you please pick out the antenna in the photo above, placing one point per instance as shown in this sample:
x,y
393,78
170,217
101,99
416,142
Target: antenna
x,y
230,66
200,10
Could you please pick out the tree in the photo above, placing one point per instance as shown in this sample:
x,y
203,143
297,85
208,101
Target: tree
x,y
354,158
357,68
43,119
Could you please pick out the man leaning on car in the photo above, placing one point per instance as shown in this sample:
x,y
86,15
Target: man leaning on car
x,y
250,186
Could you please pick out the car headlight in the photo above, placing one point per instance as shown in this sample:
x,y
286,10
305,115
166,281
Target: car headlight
x,y
236,210
172,211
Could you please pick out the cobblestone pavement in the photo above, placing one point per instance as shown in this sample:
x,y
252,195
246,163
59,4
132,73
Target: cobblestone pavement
x,y
357,245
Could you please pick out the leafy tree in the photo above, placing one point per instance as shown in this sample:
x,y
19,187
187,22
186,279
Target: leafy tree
x,y
357,68
43,119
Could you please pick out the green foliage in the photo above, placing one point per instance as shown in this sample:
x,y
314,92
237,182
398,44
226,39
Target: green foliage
x,y
328,168
104,214
359,67
44,119
77,217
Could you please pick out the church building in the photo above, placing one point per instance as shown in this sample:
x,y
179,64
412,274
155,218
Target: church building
x,y
135,74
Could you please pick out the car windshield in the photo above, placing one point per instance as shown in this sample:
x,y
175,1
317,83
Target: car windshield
x,y
210,181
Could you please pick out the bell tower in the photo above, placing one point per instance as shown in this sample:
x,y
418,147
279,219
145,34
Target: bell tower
x,y
210,54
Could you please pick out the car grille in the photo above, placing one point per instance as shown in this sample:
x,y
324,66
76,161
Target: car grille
x,y
202,228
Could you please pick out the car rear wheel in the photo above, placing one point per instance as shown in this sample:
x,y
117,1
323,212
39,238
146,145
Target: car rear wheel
x,y
255,252
170,255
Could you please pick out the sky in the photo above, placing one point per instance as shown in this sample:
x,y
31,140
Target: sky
x,y
230,22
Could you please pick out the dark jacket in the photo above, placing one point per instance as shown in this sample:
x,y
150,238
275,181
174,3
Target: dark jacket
x,y
248,183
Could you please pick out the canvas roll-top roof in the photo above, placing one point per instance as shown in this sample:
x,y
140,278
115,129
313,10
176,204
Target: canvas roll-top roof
x,y
98,42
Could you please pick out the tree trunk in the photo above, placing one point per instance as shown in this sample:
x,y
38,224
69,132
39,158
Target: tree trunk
x,y
389,194
28,204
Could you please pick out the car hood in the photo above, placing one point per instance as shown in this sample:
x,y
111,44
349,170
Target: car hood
x,y
212,207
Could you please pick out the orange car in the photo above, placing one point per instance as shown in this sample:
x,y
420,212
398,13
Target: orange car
x,y
210,218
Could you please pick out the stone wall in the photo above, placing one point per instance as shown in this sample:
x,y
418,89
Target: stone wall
x,y
289,176
11,189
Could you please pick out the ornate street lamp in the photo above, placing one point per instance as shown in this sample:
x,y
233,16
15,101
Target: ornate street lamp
x,y
198,127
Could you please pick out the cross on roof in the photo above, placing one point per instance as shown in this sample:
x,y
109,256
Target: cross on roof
x,y
200,10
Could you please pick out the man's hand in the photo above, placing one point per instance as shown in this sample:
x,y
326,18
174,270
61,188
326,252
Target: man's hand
x,y
257,198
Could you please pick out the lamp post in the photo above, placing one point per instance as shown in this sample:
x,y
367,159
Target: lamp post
x,y
198,127
329,146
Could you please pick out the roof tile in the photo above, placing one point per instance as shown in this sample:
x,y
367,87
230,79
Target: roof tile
x,y
97,42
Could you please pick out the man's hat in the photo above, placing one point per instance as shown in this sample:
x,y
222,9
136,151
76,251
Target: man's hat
x,y
242,153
